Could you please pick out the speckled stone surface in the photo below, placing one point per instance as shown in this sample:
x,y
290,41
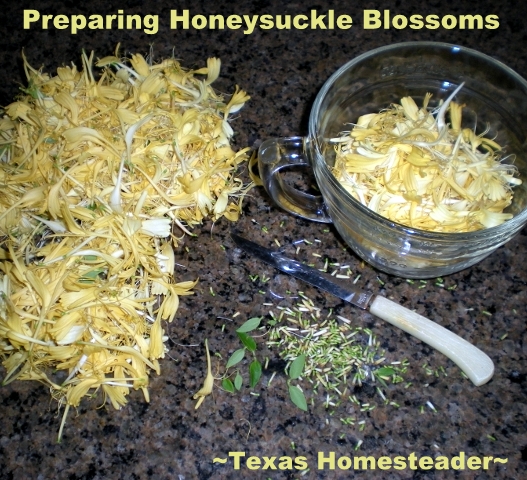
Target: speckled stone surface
x,y
167,438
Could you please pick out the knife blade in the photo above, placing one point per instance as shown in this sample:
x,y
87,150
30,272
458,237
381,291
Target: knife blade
x,y
475,363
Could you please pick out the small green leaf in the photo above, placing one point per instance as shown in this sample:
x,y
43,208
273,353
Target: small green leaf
x,y
238,380
91,276
297,397
250,325
255,372
93,273
385,372
297,367
247,341
227,385
236,357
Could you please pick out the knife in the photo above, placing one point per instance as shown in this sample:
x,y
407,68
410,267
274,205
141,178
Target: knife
x,y
476,364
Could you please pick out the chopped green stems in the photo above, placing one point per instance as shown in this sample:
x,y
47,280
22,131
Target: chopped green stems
x,y
338,355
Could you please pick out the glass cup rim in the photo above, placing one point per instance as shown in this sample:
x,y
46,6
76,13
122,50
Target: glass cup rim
x,y
515,223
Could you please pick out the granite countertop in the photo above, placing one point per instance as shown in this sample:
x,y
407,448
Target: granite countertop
x,y
282,70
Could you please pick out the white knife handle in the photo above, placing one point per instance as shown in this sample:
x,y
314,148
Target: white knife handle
x,y
475,363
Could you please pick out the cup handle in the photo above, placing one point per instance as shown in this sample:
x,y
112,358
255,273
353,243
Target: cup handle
x,y
276,154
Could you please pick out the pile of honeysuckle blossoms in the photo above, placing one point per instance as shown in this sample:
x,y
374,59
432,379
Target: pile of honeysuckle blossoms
x,y
101,170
